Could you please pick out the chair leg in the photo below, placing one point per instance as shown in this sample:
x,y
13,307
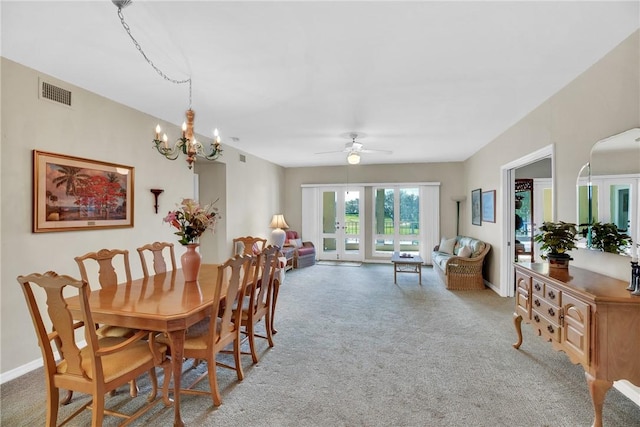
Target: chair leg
x,y
213,382
133,388
67,398
97,410
236,356
52,406
154,385
267,326
251,334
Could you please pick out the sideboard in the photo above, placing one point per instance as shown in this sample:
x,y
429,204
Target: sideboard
x,y
590,317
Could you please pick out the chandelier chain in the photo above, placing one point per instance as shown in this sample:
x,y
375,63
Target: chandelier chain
x,y
149,61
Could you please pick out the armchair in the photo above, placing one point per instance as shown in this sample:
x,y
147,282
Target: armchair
x,y
305,252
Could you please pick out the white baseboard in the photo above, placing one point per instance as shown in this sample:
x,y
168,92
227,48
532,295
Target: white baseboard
x,y
19,371
629,390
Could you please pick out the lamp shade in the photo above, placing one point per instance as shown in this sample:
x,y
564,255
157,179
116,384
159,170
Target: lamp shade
x,y
278,222
278,235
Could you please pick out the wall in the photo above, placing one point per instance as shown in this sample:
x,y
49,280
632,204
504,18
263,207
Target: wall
x,y
450,176
98,128
601,102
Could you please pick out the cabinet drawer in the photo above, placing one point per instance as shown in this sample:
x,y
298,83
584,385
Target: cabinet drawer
x,y
547,328
552,294
537,287
548,310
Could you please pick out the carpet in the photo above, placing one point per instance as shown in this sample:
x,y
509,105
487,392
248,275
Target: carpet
x,y
340,263
355,350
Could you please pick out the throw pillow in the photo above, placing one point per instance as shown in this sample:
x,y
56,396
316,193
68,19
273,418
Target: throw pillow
x,y
465,252
447,245
298,243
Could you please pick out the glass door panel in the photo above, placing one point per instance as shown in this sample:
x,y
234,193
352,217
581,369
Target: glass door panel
x,y
341,224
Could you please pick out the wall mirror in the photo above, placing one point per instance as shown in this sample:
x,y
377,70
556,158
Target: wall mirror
x,y
608,191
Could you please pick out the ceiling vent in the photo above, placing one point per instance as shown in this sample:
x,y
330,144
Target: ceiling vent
x,y
243,158
55,93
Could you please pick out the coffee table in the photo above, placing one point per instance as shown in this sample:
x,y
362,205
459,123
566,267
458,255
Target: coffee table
x,y
406,264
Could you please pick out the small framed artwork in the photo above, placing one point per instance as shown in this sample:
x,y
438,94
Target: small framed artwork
x,y
71,193
476,207
489,206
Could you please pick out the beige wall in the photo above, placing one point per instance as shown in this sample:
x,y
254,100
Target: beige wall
x,y
98,128
450,176
601,102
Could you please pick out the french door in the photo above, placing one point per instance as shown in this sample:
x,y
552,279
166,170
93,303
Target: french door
x,y
342,216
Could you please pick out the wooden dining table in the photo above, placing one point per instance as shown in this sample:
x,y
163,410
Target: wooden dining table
x,y
162,303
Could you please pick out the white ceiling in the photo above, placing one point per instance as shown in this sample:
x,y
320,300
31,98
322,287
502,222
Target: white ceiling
x,y
431,81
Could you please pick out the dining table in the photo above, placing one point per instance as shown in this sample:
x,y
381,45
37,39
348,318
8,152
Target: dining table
x,y
163,303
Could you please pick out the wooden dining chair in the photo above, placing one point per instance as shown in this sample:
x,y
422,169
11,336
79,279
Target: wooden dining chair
x,y
107,276
257,301
95,369
249,245
157,251
222,329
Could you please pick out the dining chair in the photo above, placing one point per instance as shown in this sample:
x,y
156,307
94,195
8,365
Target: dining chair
x,y
249,245
99,367
107,276
159,263
257,300
223,328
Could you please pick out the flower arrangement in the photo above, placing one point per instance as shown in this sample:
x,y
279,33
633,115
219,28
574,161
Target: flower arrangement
x,y
192,220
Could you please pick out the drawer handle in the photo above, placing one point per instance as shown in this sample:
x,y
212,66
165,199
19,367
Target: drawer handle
x,y
537,286
537,302
552,295
550,328
552,312
536,318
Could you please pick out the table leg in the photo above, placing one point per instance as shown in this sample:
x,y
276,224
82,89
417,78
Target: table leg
x,y
420,273
598,390
395,272
176,340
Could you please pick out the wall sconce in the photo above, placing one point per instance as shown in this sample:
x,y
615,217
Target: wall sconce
x,y
156,192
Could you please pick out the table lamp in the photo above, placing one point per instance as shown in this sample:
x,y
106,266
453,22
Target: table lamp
x,y
278,234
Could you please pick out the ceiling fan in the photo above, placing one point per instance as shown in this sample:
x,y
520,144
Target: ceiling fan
x,y
355,148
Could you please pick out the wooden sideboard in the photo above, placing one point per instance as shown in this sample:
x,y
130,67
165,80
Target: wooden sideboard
x,y
589,316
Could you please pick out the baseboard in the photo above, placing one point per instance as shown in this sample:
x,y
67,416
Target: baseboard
x,y
629,390
20,370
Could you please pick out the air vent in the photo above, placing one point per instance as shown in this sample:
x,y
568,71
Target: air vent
x,y
243,158
55,93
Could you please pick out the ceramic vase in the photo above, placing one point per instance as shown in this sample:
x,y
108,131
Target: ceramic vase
x,y
190,261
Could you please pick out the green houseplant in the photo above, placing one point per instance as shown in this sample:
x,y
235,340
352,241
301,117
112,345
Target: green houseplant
x,y
556,239
607,237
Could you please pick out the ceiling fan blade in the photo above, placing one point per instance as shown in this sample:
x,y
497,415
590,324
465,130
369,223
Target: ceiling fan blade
x,y
331,152
376,151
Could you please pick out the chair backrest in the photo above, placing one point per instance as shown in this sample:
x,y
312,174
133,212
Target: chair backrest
x,y
61,318
249,245
260,290
234,273
159,263
106,274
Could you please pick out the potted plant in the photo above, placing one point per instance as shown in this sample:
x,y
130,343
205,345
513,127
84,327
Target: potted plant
x,y
556,239
608,237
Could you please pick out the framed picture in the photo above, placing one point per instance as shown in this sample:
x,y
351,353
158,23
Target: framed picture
x,y
489,206
70,193
476,207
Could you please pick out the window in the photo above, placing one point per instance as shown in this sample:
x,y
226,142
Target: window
x,y
396,220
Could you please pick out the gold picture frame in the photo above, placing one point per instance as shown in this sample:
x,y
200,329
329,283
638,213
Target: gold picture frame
x,y
72,193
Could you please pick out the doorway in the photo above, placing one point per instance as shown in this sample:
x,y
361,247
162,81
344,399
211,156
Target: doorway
x,y
341,220
508,175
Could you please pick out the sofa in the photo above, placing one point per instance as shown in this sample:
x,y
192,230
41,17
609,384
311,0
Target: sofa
x,y
305,252
459,262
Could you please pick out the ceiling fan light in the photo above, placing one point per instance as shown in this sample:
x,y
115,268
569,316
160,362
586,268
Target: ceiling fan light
x,y
353,158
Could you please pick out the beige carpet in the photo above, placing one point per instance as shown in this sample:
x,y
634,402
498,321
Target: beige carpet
x,y
353,349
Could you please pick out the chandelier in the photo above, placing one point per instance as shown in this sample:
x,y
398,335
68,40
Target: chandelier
x,y
187,144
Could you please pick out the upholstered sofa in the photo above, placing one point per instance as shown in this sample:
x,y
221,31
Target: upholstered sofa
x,y
305,252
459,262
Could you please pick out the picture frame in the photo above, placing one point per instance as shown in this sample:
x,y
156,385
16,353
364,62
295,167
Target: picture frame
x,y
71,193
476,207
489,206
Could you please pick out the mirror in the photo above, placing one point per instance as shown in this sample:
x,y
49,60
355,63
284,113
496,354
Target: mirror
x,y
607,192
